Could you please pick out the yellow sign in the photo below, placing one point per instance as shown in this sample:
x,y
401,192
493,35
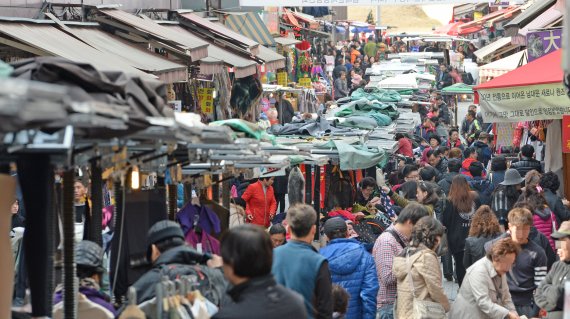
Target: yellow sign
x,y
282,78
477,15
305,82
206,98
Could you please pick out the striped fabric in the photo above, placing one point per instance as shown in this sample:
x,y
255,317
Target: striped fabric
x,y
250,25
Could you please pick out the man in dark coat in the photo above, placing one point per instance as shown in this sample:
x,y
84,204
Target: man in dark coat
x,y
453,168
527,163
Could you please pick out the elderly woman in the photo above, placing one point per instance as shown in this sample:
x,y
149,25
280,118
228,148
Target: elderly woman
x,y
485,292
417,269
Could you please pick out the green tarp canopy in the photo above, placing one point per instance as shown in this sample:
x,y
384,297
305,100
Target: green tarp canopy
x,y
353,157
458,88
5,70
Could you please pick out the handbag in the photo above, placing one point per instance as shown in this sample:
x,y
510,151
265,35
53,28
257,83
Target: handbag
x,y
423,309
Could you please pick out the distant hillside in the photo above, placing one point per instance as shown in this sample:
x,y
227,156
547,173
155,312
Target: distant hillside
x,y
405,18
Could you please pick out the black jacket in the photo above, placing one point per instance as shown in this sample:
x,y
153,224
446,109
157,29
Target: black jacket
x,y
457,225
261,298
475,249
550,294
526,165
541,240
445,182
441,169
555,204
182,255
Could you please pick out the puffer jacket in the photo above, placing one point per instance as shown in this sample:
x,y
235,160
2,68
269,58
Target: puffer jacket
x,y
526,165
259,204
475,249
445,182
550,294
544,220
426,275
353,268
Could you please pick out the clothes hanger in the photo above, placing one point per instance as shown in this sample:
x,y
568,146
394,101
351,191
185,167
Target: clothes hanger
x,y
132,311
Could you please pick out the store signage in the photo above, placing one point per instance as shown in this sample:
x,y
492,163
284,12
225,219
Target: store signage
x,y
527,103
205,77
282,78
566,134
342,3
206,98
540,43
305,82
499,3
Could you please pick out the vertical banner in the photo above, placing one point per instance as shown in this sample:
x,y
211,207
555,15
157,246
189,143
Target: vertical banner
x,y
566,134
282,78
540,43
206,98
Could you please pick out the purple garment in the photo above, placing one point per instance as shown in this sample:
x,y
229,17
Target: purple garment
x,y
208,220
93,295
209,244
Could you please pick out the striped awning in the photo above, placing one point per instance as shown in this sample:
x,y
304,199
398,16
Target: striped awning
x,y
250,25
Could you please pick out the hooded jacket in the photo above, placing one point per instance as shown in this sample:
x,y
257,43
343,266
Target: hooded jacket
x,y
484,152
484,188
260,298
260,204
353,268
550,294
544,221
427,280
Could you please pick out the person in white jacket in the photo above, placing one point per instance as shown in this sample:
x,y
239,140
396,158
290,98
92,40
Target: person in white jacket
x,y
484,293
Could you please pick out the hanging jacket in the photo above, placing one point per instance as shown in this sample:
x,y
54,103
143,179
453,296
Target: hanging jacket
x,y
545,221
353,268
260,204
205,217
208,243
550,294
296,186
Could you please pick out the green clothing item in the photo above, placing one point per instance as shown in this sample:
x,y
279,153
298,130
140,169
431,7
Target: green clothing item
x,y
5,70
402,202
370,49
376,94
354,157
367,107
250,129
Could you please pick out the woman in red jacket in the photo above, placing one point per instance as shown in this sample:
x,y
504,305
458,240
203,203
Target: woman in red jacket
x,y
260,202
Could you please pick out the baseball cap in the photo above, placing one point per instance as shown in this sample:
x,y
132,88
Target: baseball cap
x,y
334,224
563,231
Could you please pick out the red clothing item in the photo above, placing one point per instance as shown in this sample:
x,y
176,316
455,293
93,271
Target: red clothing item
x,y
344,214
262,206
465,166
405,147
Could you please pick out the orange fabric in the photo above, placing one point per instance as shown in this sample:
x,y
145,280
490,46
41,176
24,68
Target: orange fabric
x,y
262,206
353,55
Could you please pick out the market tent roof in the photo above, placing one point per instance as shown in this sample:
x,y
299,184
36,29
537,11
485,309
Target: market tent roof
x,y
196,48
273,60
48,40
167,70
542,21
465,8
450,29
250,25
220,32
218,57
545,70
492,48
286,41
502,66
458,88
528,15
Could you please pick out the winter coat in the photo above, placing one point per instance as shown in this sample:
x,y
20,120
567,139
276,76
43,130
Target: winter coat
x,y
445,182
497,177
483,295
555,204
353,268
544,220
484,189
340,88
484,152
261,298
259,204
427,280
296,186
91,292
475,249
457,225
550,294
541,240
526,165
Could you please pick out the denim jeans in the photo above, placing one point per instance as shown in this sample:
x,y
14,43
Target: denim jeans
x,y
530,311
385,312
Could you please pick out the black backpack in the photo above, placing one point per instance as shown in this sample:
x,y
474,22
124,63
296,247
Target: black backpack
x,y
209,281
467,78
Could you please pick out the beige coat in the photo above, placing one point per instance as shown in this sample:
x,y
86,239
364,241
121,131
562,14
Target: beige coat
x,y
426,275
483,295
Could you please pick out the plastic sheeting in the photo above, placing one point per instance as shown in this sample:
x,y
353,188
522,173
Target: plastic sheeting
x,y
353,157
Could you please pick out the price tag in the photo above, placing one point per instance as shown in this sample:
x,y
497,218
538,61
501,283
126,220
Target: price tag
x,y
206,98
282,78
305,82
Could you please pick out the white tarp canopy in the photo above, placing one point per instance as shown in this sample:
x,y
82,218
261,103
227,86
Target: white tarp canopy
x,y
400,81
504,65
344,3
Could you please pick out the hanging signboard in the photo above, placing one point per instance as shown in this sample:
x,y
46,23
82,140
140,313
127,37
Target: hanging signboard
x,y
540,43
282,78
343,3
566,134
305,82
206,98
526,103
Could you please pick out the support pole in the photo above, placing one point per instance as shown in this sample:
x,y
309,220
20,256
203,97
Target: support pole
x,y
317,200
70,283
97,203
308,185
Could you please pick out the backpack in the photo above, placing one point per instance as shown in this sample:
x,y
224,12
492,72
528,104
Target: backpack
x,y
210,282
467,78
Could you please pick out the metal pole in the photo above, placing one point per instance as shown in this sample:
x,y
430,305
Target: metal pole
x,y
378,15
70,282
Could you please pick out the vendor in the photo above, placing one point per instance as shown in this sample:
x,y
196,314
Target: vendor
x,y
340,87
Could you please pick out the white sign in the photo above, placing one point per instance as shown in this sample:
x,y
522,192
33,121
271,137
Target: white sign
x,y
341,3
526,103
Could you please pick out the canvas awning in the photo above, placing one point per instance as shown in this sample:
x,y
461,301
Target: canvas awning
x,y
529,93
196,48
218,57
458,88
450,29
502,66
286,41
44,39
250,25
528,15
166,70
273,60
217,32
493,48
542,21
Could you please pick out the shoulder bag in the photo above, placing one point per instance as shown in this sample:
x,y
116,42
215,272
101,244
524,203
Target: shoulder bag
x,y
423,309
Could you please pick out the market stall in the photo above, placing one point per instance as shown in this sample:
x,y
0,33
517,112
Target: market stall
x,y
459,92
